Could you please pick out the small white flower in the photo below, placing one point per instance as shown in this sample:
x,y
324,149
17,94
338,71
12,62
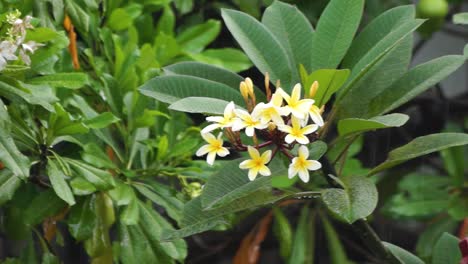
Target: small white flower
x,y
249,121
221,121
273,110
213,148
301,165
257,163
315,115
296,132
298,108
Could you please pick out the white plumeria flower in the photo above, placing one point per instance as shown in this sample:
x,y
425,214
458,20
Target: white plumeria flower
x,y
296,132
315,115
299,108
301,165
249,121
257,163
213,148
7,53
273,110
221,121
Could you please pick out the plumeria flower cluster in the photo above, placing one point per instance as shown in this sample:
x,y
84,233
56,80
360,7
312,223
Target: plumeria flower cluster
x,y
282,123
14,44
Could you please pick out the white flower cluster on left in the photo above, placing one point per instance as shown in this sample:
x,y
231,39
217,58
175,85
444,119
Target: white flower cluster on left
x,y
14,42
285,120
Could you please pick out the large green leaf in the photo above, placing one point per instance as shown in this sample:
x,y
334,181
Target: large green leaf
x,y
304,239
196,219
335,247
461,18
431,234
196,38
44,205
402,255
74,80
171,88
261,46
376,30
10,156
357,200
212,73
102,120
82,219
228,58
59,184
152,224
204,105
231,183
415,82
387,70
37,95
101,179
421,146
163,196
446,250
283,231
335,31
359,125
9,183
293,31
135,247
378,52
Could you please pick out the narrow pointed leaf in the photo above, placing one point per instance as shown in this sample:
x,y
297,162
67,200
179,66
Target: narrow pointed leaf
x,y
358,125
59,184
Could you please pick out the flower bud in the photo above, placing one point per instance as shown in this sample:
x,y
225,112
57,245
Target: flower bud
x,y
313,89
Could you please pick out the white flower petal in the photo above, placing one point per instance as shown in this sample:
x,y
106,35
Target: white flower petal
x,y
314,165
203,150
249,131
302,140
289,138
303,152
208,137
310,129
292,171
253,174
217,119
246,164
211,158
265,171
304,175
223,152
253,152
209,128
266,156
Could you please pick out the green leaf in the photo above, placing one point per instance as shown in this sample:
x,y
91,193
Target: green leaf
x,y
153,224
135,247
293,31
454,164
335,31
163,196
169,89
402,255
228,58
196,219
41,34
82,219
378,52
461,18
95,155
329,82
212,73
44,205
102,120
431,234
101,179
166,23
74,80
357,200
231,183
196,38
81,186
283,232
10,156
130,215
446,250
62,123
415,82
119,20
261,46
60,186
359,125
421,146
204,105
78,16
9,183
335,248
304,239
375,31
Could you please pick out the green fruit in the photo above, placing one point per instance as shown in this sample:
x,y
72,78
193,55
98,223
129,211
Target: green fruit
x,y
432,8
